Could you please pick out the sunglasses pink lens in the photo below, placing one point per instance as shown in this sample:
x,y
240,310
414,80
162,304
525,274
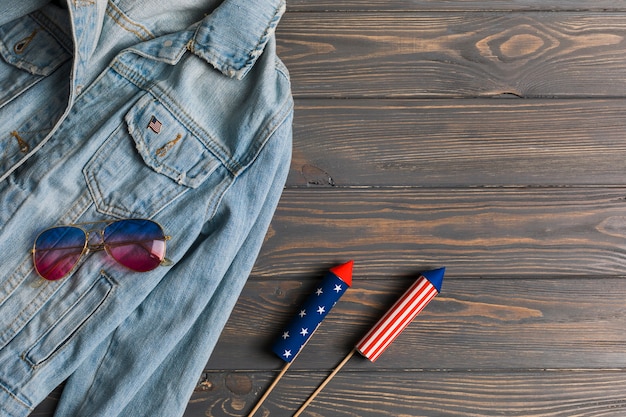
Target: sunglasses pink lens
x,y
57,251
137,244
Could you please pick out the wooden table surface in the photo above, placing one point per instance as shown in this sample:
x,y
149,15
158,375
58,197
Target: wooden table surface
x,y
488,137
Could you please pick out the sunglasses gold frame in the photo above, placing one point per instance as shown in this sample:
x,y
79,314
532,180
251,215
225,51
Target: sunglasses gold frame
x,y
99,246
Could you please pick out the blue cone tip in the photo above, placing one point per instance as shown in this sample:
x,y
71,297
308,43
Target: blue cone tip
x,y
435,277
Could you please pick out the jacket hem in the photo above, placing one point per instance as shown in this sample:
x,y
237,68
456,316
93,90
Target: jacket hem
x,y
11,405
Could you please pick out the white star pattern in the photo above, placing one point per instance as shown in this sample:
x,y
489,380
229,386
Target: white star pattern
x,y
308,318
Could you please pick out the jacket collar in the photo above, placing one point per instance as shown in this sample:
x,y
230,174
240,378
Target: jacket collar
x,y
234,35
230,38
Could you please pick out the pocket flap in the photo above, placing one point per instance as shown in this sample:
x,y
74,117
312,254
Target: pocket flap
x,y
28,46
167,145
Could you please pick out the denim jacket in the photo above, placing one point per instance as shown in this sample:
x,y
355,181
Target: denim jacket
x,y
80,85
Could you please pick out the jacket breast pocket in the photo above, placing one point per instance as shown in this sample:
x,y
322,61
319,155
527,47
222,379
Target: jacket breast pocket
x,y
149,161
29,53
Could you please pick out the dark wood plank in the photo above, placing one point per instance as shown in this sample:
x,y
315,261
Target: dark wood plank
x,y
474,324
455,5
455,54
48,405
447,143
423,394
514,232
530,320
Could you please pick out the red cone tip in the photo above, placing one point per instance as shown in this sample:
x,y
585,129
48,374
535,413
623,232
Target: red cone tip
x,y
344,272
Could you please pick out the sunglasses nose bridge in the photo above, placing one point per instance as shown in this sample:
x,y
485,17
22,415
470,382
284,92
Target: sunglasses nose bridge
x,y
95,240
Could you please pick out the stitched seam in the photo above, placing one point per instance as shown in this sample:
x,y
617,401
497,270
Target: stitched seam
x,y
83,3
214,203
94,184
14,280
126,23
15,397
229,66
255,52
80,206
267,33
132,76
27,355
29,310
172,106
178,111
53,30
268,129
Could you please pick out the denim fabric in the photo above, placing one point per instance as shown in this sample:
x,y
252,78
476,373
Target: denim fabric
x,y
79,84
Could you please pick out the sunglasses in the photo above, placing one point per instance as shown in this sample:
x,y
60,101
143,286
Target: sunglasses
x,y
137,244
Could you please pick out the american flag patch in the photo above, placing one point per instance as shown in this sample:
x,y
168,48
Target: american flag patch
x,y
155,125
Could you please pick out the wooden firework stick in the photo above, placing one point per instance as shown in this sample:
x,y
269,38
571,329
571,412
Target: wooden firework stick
x,y
393,322
308,319
323,384
269,389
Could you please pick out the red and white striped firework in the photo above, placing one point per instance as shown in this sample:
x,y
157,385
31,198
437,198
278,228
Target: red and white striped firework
x,y
423,290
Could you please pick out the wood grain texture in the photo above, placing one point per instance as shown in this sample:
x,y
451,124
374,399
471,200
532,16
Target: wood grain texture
x,y
48,405
482,232
426,164
455,55
474,324
567,393
454,5
447,143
